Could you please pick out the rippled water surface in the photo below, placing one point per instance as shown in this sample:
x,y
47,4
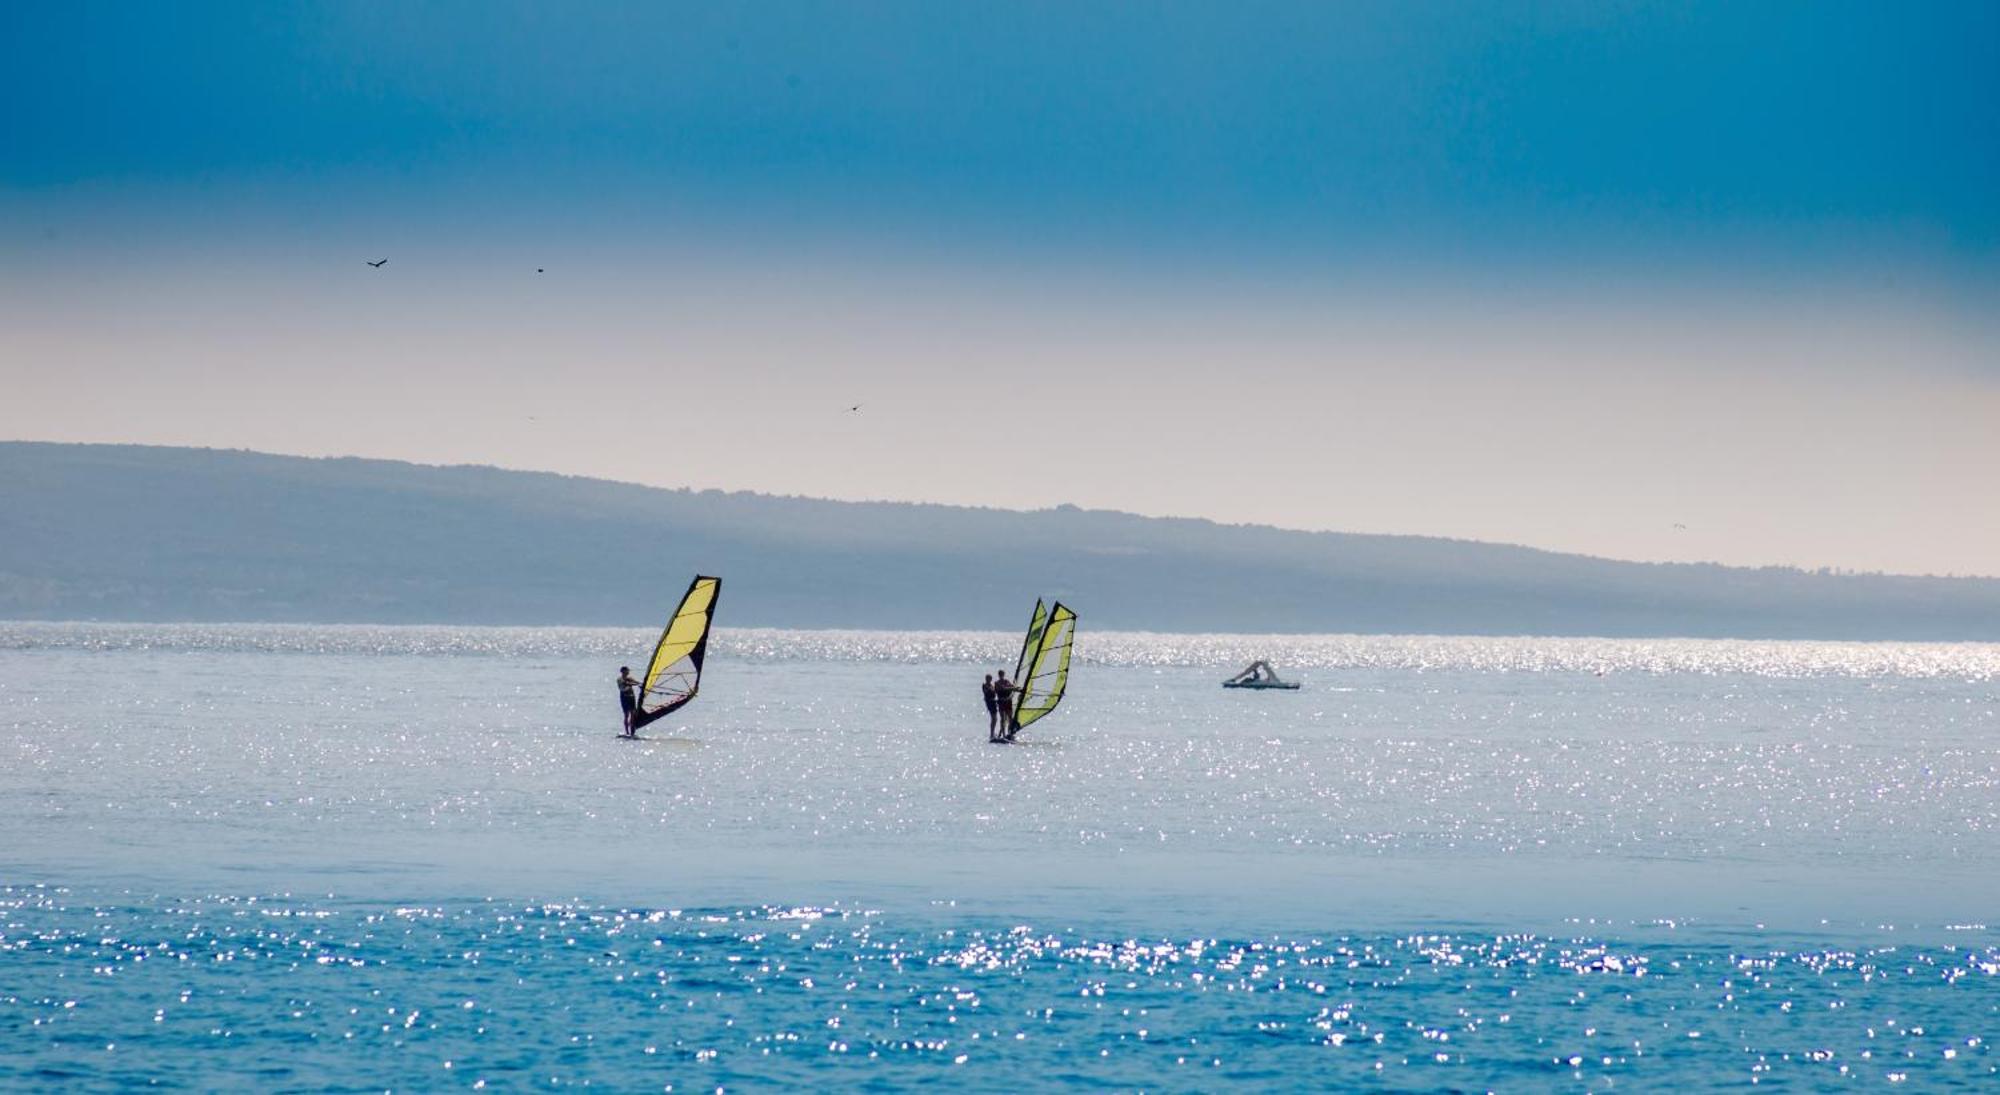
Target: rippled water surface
x,y
417,858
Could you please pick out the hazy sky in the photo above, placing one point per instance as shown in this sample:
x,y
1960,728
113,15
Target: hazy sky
x,y
1564,275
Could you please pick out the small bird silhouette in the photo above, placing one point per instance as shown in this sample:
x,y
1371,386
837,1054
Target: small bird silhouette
x,y
378,264
1680,526
538,269
854,408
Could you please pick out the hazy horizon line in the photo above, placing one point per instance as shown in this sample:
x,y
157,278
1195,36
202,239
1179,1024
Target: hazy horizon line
x,y
1056,507
1010,634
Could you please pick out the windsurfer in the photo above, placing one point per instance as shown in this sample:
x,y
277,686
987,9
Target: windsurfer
x,y
992,709
628,696
1003,705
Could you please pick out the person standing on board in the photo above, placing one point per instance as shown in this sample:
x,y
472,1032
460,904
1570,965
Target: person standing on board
x,y
628,696
1003,704
992,709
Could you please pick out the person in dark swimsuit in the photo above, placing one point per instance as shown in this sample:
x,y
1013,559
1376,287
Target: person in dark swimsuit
x,y
1003,703
628,696
992,709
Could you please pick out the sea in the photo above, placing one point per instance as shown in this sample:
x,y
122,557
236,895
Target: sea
x,y
418,858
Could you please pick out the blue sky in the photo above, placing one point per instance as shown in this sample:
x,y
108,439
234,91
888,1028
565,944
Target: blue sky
x,y
1810,130
873,201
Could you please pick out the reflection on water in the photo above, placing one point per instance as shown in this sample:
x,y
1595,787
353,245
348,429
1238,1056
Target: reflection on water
x,y
489,993
1465,862
1967,661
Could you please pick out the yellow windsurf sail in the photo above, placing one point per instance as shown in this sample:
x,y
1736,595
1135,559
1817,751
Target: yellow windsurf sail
x,y
1043,671
674,674
1037,624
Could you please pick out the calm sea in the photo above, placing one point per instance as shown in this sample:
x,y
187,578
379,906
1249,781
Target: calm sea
x,y
257,857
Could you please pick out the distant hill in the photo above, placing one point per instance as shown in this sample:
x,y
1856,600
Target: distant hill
x,y
119,532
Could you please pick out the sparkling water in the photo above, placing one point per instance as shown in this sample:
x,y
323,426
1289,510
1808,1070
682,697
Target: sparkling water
x,y
376,858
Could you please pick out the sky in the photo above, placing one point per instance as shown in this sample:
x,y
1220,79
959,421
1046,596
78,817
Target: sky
x,y
1666,282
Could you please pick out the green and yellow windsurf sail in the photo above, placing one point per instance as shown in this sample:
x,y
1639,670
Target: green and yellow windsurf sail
x,y
674,674
1043,671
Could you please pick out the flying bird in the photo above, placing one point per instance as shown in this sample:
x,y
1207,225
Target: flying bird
x,y
1680,526
538,269
854,408
378,264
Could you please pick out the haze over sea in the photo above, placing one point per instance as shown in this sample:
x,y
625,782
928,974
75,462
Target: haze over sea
x,y
379,857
